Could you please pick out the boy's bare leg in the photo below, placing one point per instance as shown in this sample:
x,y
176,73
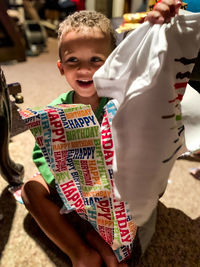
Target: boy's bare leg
x,y
96,241
36,196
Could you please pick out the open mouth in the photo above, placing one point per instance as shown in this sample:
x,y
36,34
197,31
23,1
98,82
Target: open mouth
x,y
85,83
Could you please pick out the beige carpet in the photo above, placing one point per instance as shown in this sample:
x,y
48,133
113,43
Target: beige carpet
x,y
22,244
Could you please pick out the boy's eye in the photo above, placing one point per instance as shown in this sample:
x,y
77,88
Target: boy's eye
x,y
96,59
72,59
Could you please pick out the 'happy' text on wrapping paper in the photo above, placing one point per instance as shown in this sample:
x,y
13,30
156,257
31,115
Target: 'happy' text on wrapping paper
x,y
80,153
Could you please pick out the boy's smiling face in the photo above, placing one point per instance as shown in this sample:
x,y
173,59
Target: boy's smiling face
x,y
82,54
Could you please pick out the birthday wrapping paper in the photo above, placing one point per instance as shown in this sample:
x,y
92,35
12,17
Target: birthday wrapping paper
x,y
80,154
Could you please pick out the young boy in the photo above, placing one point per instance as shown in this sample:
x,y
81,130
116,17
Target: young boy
x,y
86,39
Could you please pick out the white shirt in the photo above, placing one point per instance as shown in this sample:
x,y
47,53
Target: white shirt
x,y
147,75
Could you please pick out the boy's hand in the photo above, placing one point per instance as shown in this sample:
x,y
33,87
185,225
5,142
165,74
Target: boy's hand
x,y
163,11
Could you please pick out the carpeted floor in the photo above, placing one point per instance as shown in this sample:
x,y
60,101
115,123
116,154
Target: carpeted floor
x,y
176,241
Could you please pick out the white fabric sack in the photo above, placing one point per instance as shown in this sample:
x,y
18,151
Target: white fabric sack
x,y
147,74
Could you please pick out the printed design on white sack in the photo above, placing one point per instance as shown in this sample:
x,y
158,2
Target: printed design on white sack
x,y
179,88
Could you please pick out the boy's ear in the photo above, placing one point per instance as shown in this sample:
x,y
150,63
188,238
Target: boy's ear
x,y
60,67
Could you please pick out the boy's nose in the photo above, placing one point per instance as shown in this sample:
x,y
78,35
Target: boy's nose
x,y
85,66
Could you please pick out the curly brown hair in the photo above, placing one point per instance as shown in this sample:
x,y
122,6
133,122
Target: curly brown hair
x,y
87,19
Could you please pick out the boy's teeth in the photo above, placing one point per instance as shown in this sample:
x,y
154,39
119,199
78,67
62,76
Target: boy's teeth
x,y
85,81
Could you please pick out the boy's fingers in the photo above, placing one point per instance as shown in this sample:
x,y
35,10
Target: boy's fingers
x,y
171,6
154,17
177,5
163,11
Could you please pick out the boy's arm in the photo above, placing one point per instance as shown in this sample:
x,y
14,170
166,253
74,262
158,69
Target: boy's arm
x,y
163,11
42,166
37,155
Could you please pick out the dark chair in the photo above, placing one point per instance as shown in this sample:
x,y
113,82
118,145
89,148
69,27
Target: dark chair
x,y
12,172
